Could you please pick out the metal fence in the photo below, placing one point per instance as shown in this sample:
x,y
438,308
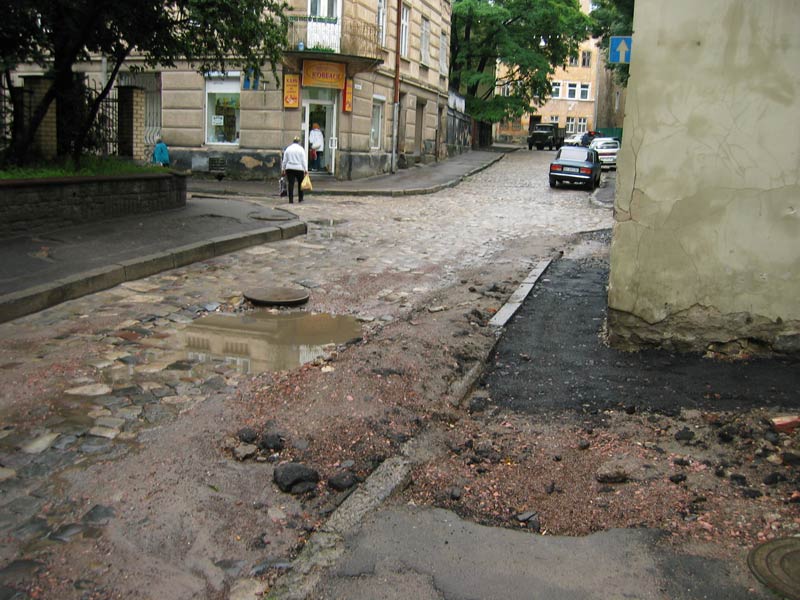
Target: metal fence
x,y
459,129
103,137
9,117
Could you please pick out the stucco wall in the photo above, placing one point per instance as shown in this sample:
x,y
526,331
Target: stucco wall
x,y
706,246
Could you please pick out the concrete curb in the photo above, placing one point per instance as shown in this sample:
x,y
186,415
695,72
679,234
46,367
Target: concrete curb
x,y
326,546
31,300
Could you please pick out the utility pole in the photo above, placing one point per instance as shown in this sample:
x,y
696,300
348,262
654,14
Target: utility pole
x,y
396,110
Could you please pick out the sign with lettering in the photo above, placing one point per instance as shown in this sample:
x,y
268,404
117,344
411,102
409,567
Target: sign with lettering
x,y
347,105
320,73
291,90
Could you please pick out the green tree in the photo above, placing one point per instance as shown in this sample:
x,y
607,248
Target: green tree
x,y
514,45
613,17
58,34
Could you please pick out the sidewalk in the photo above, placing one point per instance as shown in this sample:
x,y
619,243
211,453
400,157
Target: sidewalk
x,y
39,271
423,179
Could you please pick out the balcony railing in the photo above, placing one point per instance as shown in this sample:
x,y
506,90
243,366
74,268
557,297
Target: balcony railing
x,y
349,36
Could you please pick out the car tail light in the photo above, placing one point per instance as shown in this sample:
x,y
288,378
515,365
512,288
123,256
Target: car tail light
x,y
586,171
555,167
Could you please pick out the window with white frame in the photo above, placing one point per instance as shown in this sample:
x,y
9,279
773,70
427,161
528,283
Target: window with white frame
x,y
443,54
405,19
570,124
556,87
573,61
572,90
425,42
582,124
584,91
323,8
381,22
554,119
376,123
222,108
586,59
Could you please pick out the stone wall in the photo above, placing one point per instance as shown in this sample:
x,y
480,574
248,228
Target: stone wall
x,y
706,245
37,206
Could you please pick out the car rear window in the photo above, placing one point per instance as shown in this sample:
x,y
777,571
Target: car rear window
x,y
574,153
542,128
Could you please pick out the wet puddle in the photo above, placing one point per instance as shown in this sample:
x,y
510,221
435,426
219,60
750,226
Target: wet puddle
x,y
258,342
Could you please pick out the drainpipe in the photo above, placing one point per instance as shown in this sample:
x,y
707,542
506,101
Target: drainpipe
x,y
396,115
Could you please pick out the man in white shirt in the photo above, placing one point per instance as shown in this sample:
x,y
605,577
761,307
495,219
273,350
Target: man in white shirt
x,y
294,166
316,141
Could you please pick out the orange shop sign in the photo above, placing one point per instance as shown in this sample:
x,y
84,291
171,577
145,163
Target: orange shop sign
x,y
319,73
347,105
291,90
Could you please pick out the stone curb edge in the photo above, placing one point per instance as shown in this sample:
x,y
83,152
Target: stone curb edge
x,y
367,192
326,545
37,298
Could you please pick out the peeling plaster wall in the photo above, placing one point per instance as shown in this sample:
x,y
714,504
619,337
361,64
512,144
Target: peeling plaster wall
x,y
706,245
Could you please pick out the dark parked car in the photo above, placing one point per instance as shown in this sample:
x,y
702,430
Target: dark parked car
x,y
576,164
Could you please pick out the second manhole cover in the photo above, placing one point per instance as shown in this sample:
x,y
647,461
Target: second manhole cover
x,y
276,296
776,564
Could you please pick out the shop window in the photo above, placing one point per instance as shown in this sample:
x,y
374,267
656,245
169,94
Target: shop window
x,y
222,108
376,123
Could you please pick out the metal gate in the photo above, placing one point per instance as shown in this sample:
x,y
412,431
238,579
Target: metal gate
x,y
151,84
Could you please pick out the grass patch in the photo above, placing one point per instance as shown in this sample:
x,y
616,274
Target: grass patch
x,y
90,166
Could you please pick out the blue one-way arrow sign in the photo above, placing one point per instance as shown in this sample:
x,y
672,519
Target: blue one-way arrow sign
x,y
619,49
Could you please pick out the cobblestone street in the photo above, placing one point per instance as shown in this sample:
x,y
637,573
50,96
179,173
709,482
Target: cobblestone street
x,y
111,432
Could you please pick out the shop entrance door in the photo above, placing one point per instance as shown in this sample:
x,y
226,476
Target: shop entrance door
x,y
322,111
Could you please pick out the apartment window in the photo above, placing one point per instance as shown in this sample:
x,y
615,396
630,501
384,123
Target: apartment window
x,y
405,19
584,91
442,54
323,8
556,87
582,124
222,108
376,124
573,61
554,119
586,59
570,124
381,22
425,42
572,90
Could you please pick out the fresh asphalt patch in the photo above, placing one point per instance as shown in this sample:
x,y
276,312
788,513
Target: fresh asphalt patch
x,y
553,357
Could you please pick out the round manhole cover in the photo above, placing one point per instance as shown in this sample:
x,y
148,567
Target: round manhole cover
x,y
277,296
776,564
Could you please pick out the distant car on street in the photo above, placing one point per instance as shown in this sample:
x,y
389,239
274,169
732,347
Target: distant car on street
x,y
576,164
573,140
607,148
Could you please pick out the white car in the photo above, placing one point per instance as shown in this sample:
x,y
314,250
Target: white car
x,y
607,149
573,140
